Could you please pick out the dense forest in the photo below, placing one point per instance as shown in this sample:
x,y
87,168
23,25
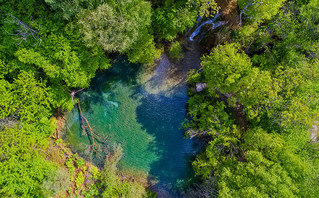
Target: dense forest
x,y
256,112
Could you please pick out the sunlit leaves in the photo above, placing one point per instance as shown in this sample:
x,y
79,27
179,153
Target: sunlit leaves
x,y
224,67
258,11
115,28
26,98
22,166
172,19
207,8
143,50
278,91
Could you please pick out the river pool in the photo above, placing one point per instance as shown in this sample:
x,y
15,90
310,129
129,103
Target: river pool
x,y
144,113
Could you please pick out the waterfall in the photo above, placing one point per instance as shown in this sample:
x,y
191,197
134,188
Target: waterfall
x,y
210,21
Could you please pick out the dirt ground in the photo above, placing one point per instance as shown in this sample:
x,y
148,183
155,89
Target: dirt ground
x,y
230,9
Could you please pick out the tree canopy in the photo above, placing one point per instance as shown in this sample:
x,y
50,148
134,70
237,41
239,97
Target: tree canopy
x,y
258,106
256,111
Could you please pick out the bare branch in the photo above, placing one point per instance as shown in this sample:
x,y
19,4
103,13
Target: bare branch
x,y
25,30
74,92
97,145
245,8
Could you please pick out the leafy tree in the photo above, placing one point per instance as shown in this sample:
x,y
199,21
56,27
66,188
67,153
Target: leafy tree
x,y
56,182
69,8
207,8
143,50
173,18
116,26
270,83
25,99
258,11
230,73
23,168
121,27
176,50
257,177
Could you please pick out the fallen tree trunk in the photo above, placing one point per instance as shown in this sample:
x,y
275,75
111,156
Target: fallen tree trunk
x,y
86,126
97,147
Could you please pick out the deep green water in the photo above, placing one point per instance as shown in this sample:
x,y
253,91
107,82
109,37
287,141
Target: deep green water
x,y
146,123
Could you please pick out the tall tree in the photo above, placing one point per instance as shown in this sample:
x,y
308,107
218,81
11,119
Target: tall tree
x,y
121,26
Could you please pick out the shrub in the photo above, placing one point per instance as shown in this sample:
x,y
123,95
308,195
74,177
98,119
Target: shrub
x,y
176,50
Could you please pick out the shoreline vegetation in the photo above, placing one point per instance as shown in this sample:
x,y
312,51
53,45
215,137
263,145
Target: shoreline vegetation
x,y
257,112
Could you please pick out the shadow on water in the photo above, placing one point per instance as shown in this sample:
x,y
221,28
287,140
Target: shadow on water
x,y
162,117
121,70
147,124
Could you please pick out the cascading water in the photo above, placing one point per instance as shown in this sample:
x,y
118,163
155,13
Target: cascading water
x,y
210,21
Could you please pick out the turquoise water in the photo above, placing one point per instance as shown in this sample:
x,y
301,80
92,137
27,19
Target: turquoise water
x,y
136,111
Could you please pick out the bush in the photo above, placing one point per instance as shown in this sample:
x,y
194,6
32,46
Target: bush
x,y
176,50
56,183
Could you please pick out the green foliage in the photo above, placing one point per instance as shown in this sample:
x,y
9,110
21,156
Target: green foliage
x,y
208,115
272,94
121,27
23,168
56,183
79,163
261,10
114,187
256,12
25,98
93,186
207,8
257,177
70,165
229,72
116,28
143,50
269,144
176,50
224,148
173,18
60,61
69,8
228,65
79,180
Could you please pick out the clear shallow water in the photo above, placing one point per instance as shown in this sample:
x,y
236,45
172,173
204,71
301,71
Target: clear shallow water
x,y
146,123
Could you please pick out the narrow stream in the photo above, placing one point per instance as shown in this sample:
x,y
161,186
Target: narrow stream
x,y
144,113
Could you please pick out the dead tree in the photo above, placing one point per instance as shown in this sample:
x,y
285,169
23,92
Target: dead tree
x,y
240,16
196,133
97,142
74,92
250,3
24,31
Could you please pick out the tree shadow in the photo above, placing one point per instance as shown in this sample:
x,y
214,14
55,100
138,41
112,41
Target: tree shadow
x,y
121,71
162,117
